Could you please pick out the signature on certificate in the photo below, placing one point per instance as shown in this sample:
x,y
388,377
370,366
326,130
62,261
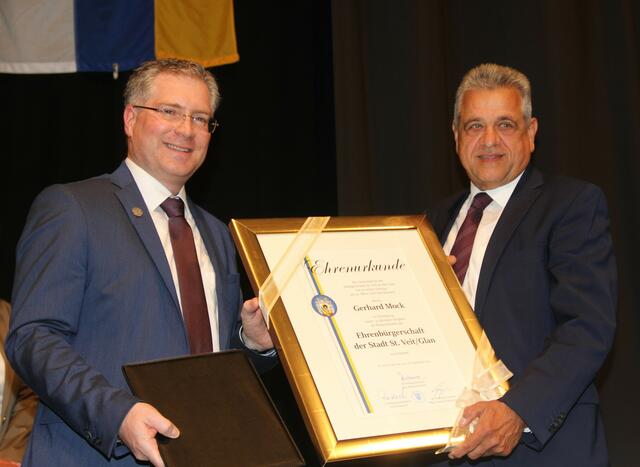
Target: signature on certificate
x,y
443,392
415,396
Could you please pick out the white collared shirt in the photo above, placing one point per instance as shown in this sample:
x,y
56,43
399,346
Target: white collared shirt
x,y
490,217
154,193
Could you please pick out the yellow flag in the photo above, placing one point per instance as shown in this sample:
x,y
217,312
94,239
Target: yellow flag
x,y
198,30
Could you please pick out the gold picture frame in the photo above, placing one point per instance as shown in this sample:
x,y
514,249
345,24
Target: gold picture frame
x,y
413,242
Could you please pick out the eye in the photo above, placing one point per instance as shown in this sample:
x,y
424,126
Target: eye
x,y
474,126
200,120
168,112
506,125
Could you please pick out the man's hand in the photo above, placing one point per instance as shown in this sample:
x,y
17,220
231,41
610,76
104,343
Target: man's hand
x,y
256,335
497,432
139,429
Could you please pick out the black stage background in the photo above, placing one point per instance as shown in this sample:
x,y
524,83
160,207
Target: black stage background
x,y
345,108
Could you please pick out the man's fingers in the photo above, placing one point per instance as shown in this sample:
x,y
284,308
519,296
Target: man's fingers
x,y
147,450
250,307
498,431
481,443
491,445
465,447
471,413
163,425
154,456
139,429
255,333
488,443
474,410
481,449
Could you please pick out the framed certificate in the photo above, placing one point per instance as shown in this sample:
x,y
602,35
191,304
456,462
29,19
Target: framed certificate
x,y
374,333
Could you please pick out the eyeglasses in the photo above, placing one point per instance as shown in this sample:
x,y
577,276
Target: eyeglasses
x,y
171,114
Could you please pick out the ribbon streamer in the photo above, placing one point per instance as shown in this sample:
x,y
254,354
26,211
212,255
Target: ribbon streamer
x,y
274,284
326,307
488,375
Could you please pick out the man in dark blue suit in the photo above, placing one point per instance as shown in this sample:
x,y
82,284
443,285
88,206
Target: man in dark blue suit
x,y
98,282
541,276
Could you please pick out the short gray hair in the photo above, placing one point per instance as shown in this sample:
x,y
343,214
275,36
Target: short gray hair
x,y
140,81
492,76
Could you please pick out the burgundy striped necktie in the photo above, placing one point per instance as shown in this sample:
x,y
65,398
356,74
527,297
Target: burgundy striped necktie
x,y
192,299
466,235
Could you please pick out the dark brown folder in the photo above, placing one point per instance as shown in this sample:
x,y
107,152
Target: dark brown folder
x,y
225,416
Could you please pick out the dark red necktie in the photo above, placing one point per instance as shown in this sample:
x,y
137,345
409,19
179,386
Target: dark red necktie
x,y
192,299
466,235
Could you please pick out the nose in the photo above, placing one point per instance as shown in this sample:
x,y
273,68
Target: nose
x,y
490,137
185,126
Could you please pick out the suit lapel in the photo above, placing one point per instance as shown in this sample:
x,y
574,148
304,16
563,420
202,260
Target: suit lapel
x,y
453,213
517,207
442,223
130,198
214,251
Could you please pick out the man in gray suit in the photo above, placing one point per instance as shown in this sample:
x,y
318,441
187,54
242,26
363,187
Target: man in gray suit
x,y
98,280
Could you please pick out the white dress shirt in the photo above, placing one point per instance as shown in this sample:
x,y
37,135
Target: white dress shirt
x,y
490,216
154,193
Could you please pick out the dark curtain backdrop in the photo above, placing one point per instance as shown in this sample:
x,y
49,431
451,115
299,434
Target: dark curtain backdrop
x,y
397,65
391,68
274,154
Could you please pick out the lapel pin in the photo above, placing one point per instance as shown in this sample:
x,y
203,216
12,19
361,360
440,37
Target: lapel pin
x,y
137,211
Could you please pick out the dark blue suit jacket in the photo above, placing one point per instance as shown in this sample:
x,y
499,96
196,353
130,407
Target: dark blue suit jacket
x,y
546,297
93,291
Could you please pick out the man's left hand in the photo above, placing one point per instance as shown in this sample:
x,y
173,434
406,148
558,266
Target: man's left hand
x,y
255,333
497,432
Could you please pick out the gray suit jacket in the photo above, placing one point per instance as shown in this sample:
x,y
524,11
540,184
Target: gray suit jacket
x,y
93,291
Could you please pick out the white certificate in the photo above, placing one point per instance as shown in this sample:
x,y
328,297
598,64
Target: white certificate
x,y
386,344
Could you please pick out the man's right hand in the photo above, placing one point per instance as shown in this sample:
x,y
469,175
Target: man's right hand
x,y
138,431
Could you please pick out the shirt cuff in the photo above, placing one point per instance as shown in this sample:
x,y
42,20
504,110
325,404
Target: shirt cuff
x,y
263,353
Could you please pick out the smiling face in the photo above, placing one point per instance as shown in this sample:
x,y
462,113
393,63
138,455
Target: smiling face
x,y
493,140
170,152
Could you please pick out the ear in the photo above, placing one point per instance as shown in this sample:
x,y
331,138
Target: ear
x,y
129,118
455,134
531,132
